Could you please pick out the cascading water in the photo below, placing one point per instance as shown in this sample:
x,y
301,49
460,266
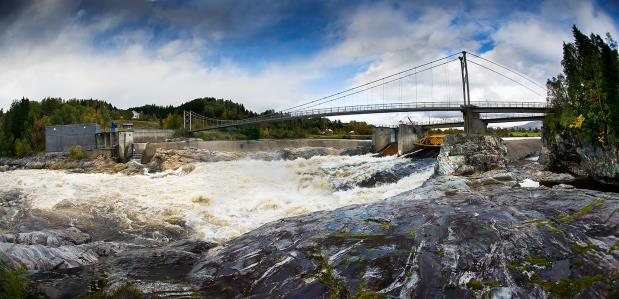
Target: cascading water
x,y
221,200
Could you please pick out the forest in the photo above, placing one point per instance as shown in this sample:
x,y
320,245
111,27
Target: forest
x,y
22,126
585,96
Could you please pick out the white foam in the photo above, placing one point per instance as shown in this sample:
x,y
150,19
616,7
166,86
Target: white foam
x,y
239,195
528,183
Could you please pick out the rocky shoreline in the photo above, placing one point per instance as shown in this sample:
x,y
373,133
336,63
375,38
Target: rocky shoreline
x,y
484,228
165,159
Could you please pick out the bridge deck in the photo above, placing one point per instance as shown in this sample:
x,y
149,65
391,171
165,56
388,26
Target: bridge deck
x,y
479,107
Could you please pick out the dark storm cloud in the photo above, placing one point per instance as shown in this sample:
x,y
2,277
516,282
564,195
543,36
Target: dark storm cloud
x,y
11,8
34,21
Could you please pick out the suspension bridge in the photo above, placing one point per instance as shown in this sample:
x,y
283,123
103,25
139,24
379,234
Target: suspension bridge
x,y
403,91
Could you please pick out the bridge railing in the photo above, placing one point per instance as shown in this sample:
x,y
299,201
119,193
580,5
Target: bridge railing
x,y
511,115
369,108
499,104
438,122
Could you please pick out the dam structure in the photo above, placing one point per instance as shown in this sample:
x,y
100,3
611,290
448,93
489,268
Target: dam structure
x,y
398,93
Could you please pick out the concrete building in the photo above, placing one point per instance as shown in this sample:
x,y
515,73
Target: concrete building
x,y
121,142
61,138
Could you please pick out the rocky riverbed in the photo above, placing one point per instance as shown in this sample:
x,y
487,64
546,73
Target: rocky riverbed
x,y
166,159
489,231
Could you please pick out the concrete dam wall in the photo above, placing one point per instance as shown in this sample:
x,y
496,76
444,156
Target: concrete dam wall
x,y
253,145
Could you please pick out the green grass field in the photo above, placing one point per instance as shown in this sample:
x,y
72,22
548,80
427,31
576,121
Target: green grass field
x,y
140,124
524,134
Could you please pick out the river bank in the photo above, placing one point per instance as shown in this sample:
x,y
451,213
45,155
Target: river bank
x,y
367,226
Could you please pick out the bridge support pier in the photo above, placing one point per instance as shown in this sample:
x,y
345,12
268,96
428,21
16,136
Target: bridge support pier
x,y
473,124
382,137
407,135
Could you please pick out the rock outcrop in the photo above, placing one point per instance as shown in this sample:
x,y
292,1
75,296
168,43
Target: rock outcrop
x,y
506,242
100,164
172,159
481,235
581,157
467,154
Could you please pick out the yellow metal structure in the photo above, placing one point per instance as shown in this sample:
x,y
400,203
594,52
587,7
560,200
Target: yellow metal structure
x,y
430,141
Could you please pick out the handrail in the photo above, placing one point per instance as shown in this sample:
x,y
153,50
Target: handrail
x,y
455,106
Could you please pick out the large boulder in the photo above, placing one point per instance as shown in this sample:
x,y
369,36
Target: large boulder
x,y
580,156
50,237
467,154
507,243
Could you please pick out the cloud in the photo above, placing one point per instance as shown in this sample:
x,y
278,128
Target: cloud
x,y
528,41
64,61
135,52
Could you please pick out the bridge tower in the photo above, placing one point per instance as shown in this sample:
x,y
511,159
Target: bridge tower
x,y
466,94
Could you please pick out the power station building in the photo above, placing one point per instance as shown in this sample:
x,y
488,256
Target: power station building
x,y
122,143
60,138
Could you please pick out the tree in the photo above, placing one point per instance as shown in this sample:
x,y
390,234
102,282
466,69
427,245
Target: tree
x,y
173,121
22,147
587,91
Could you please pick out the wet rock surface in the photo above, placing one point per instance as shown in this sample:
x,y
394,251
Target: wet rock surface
x,y
568,153
172,159
100,164
464,155
373,177
455,236
508,240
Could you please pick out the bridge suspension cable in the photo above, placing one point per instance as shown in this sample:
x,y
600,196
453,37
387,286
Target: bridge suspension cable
x,y
511,79
377,94
369,83
511,70
378,85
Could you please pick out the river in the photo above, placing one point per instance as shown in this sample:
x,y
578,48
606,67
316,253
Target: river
x,y
218,201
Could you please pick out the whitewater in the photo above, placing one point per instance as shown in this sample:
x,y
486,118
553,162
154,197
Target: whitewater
x,y
217,201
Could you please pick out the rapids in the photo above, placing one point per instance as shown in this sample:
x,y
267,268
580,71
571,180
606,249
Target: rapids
x,y
218,201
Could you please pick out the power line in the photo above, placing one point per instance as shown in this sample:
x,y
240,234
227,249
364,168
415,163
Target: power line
x,y
496,72
511,70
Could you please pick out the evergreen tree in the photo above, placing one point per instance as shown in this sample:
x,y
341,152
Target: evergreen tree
x,y
586,95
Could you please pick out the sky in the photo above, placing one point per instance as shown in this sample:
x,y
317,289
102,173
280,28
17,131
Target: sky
x,y
276,54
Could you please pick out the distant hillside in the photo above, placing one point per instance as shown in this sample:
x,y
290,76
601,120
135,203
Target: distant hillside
x,y
170,117
22,126
211,107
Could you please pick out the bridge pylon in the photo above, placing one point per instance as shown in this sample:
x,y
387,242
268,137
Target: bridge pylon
x,y
466,94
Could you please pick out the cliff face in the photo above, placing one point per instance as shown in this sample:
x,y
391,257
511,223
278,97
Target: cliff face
x,y
581,157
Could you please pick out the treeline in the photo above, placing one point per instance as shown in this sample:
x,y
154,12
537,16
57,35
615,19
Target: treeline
x,y
302,128
585,97
171,117
498,132
22,127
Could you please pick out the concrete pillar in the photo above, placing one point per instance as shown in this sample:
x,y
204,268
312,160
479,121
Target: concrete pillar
x,y
477,126
382,137
407,135
125,145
